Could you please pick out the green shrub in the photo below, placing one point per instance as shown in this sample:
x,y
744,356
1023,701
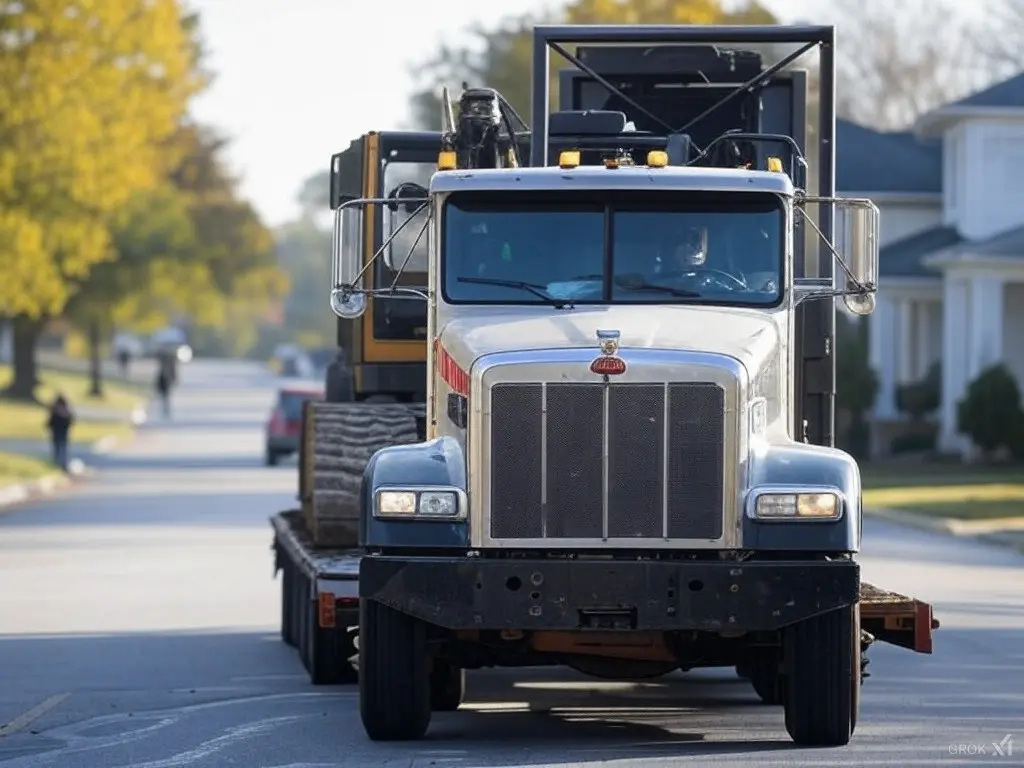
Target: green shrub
x,y
990,413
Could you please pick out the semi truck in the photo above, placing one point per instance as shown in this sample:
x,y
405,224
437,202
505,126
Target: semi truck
x,y
622,458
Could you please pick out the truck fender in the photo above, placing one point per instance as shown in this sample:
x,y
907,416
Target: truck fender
x,y
798,465
438,463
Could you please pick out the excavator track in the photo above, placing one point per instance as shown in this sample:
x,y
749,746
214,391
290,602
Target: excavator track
x,y
338,440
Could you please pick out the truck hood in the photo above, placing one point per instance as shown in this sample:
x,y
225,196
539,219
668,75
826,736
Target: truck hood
x,y
748,335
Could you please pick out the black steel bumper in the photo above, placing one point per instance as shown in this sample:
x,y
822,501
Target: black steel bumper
x,y
478,593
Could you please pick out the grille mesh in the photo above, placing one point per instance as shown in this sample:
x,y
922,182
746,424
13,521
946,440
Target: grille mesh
x,y
586,461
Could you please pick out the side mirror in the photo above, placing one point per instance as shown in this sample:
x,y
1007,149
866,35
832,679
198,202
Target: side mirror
x,y
857,238
407,190
334,196
347,300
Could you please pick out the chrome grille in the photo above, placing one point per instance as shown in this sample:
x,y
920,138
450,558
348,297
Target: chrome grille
x,y
619,461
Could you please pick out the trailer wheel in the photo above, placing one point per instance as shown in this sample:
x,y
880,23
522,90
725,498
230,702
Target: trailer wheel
x,y
767,679
447,686
394,674
822,694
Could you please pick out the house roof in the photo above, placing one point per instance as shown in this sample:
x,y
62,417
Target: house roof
x,y
906,257
1004,97
903,258
877,162
1008,93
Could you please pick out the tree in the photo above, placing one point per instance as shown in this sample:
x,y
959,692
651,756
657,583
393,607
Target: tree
x,y
151,236
190,248
87,93
501,56
304,254
999,38
896,61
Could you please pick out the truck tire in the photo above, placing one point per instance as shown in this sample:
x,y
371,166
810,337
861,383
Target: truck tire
x,y
339,439
447,686
822,668
394,674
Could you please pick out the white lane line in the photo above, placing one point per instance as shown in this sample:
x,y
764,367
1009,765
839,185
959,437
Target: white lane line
x,y
35,713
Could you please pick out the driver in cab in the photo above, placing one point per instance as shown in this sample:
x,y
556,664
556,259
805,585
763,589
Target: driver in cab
x,y
687,263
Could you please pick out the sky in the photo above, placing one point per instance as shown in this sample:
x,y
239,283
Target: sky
x,y
297,80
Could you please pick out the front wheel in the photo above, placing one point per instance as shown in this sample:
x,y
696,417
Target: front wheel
x,y
394,674
823,665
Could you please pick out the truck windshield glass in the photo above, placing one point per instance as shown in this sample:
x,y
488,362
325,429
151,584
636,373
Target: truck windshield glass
x,y
614,247
396,173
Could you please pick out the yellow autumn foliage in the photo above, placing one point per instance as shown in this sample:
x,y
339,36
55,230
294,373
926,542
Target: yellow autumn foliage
x,y
89,92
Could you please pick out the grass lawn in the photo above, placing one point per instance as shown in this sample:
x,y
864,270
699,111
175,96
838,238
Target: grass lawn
x,y
946,490
20,469
100,417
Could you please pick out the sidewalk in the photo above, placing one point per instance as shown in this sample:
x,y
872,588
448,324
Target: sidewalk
x,y
79,466
1005,532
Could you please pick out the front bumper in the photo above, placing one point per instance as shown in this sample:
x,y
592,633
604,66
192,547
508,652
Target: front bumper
x,y
494,594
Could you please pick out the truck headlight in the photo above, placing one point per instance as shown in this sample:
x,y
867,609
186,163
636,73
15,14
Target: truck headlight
x,y
798,505
421,503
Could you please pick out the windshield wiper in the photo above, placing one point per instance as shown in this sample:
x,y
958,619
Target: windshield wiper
x,y
536,290
644,286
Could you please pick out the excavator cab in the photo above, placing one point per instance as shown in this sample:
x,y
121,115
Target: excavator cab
x,y
382,352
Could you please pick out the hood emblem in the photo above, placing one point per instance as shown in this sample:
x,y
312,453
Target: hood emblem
x,y
609,364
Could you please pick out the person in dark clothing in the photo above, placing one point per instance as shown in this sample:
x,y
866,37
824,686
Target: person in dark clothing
x,y
60,422
124,358
164,381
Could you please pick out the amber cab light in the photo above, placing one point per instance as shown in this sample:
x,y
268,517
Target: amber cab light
x,y
608,366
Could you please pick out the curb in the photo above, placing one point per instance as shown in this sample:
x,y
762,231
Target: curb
x,y
20,493
50,485
968,529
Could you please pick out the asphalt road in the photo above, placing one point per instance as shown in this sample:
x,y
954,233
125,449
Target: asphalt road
x,y
138,627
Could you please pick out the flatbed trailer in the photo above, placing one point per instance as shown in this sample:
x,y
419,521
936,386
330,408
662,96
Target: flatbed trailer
x,y
320,606
319,600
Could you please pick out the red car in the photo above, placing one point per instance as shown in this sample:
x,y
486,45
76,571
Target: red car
x,y
284,428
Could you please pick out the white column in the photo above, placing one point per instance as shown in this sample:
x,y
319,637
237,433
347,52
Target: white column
x,y
905,348
923,329
986,336
882,349
955,321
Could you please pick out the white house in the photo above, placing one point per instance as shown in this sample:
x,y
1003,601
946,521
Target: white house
x,y
951,196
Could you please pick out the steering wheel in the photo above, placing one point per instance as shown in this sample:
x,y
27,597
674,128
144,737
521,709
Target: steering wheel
x,y
714,275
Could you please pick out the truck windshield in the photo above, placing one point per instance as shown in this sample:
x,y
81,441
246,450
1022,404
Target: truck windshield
x,y
614,246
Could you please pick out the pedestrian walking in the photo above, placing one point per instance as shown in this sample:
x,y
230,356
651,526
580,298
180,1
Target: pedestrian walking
x,y
164,383
60,422
124,358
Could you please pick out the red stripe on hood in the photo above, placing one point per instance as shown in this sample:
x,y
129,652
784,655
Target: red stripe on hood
x,y
449,371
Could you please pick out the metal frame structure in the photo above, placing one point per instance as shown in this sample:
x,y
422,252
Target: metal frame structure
x,y
815,373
